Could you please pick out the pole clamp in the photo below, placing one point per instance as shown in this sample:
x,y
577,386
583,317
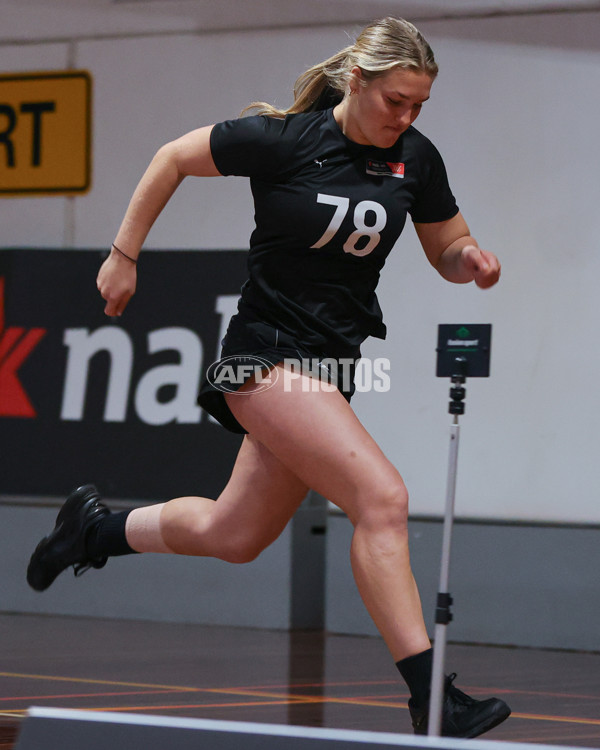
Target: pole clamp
x,y
443,615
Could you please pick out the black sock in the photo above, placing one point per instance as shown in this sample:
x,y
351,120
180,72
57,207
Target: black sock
x,y
107,537
416,671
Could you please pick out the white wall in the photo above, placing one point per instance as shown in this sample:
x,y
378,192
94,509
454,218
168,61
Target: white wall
x,y
515,113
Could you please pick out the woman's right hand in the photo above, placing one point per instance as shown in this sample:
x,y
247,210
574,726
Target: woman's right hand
x,y
116,282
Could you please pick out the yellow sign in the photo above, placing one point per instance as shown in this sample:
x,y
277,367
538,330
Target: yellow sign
x,y
45,133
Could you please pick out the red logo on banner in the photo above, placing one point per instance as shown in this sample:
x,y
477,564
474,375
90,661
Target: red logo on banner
x,y
16,344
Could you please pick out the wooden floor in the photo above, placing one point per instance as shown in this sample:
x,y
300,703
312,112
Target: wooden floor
x,y
301,678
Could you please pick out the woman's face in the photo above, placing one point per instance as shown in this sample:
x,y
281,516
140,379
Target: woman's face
x,y
379,112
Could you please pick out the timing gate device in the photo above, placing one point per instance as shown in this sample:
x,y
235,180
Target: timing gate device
x,y
462,350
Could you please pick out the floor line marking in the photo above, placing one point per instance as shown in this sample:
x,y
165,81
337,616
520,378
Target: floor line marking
x,y
89,681
549,717
85,695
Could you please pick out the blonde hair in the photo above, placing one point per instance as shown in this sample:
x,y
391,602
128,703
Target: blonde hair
x,y
382,46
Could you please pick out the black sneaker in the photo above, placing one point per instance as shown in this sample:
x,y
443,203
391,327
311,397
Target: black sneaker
x,y
65,545
462,716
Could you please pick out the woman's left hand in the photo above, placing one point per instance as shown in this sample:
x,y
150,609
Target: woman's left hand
x,y
483,265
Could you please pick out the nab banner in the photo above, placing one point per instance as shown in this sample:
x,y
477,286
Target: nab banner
x,y
112,401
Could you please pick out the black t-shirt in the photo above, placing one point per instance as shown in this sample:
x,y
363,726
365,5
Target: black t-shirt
x,y
328,211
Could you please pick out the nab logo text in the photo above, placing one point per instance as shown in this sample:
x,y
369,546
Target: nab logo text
x,y
181,378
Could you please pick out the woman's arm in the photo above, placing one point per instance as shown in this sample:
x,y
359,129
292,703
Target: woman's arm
x,y
186,156
456,255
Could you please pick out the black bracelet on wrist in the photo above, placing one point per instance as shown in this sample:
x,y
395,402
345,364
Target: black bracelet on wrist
x,y
133,260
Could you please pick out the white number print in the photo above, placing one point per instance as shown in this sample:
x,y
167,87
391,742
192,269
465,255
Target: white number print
x,y
366,230
362,228
341,209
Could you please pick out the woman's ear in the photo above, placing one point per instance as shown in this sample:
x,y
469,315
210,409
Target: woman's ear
x,y
356,79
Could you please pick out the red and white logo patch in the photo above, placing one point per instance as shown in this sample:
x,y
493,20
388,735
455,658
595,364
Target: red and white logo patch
x,y
397,169
385,168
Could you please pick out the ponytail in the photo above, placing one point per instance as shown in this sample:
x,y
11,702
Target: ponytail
x,y
320,87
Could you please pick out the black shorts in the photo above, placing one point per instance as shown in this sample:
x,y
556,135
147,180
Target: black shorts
x,y
252,347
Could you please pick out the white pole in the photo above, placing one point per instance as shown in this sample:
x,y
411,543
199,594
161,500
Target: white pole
x,y
443,615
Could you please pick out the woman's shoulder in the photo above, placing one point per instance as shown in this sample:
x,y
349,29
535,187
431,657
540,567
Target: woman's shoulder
x,y
419,142
270,126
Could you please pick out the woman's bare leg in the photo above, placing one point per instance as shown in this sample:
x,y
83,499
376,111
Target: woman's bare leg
x,y
300,438
251,512
317,436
